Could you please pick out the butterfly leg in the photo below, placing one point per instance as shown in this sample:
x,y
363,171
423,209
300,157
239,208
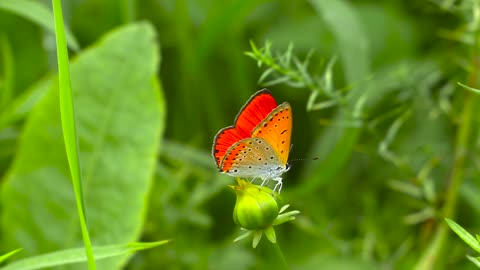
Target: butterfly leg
x,y
264,181
278,185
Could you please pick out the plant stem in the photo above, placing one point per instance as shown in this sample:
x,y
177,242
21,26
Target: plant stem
x,y
272,254
432,253
279,253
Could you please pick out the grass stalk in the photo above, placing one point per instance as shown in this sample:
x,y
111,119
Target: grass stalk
x,y
432,253
67,114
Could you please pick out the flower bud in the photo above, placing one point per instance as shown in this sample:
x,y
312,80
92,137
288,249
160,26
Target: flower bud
x,y
255,208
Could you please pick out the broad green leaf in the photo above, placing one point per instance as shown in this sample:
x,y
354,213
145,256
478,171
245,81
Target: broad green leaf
x,y
8,255
120,119
462,233
23,104
77,255
39,14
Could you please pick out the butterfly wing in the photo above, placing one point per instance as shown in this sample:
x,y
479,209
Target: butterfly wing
x,y
252,157
252,113
255,110
276,129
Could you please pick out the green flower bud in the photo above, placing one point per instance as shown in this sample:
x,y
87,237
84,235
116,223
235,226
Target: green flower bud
x,y
256,207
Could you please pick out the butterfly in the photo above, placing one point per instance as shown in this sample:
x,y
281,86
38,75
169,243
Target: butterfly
x,y
258,144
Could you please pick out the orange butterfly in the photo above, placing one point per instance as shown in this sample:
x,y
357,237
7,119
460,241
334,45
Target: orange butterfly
x,y
258,144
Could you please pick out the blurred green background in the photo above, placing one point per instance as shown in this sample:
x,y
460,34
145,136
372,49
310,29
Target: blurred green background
x,y
154,80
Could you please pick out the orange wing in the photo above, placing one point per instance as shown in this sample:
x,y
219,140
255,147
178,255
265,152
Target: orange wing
x,y
276,129
252,113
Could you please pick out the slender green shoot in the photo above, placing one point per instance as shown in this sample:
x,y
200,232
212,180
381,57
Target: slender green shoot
x,y
67,113
8,255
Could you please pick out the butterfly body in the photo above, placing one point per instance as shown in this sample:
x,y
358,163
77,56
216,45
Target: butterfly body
x,y
257,146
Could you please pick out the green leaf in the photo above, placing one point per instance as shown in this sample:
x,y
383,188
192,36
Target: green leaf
x,y
120,120
39,14
23,104
77,255
257,236
69,128
240,237
276,81
462,233
474,260
270,234
8,255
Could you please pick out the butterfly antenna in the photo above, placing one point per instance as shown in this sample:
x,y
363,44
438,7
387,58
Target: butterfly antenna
x,y
301,159
290,162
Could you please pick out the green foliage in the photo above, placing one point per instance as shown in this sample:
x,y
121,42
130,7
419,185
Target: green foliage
x,y
384,94
69,127
8,255
467,238
39,14
76,255
118,142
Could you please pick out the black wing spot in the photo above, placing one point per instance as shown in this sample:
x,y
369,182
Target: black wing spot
x,y
259,158
271,119
271,157
249,149
283,131
244,152
265,125
256,147
276,124
281,152
267,148
266,163
249,167
283,142
235,170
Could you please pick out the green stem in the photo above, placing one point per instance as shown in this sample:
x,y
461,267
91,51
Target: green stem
x,y
70,137
271,256
279,253
432,253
